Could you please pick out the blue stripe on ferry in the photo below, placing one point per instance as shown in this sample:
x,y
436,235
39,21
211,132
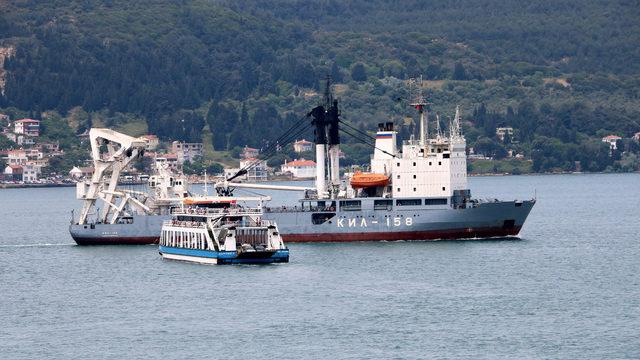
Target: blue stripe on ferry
x,y
383,136
216,254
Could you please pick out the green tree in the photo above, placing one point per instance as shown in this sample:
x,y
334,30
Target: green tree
x,y
459,72
358,72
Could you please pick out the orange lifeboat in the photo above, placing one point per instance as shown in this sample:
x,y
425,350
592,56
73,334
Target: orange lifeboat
x,y
365,180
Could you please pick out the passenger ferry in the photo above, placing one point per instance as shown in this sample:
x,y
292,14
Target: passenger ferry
x,y
220,231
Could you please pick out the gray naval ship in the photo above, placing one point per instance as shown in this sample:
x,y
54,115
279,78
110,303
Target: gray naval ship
x,y
417,192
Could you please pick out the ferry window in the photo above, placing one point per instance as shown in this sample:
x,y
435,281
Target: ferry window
x,y
409,202
437,201
350,205
382,204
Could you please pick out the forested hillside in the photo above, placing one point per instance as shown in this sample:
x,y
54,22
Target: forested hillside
x,y
562,74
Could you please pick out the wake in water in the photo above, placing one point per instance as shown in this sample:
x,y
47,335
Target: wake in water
x,y
33,245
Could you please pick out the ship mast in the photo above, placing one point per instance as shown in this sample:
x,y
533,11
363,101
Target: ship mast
x,y
421,105
326,120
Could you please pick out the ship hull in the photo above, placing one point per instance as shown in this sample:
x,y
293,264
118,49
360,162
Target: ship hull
x,y
143,230
499,219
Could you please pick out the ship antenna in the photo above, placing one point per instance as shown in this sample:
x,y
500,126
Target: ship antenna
x,y
421,105
439,133
328,96
206,189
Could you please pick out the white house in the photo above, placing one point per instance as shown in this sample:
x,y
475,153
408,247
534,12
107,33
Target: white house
x,y
170,161
186,151
81,172
249,152
302,146
30,173
29,127
612,140
17,157
501,132
257,171
152,141
300,168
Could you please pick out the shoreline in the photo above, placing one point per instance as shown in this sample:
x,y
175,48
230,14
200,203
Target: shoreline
x,y
25,186
279,179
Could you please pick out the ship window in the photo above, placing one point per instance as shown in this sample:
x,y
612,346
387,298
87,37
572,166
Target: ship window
x,y
445,156
439,162
443,188
398,176
382,204
414,176
437,201
398,164
350,205
414,189
398,189
409,202
414,164
429,163
321,218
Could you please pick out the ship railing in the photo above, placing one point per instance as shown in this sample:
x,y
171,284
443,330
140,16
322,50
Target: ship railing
x,y
294,209
185,224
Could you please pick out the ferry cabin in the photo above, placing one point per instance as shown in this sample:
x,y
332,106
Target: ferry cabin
x,y
222,236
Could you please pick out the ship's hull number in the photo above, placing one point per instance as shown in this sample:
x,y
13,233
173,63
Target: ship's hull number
x,y
390,222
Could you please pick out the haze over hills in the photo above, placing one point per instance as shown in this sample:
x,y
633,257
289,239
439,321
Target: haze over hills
x,y
562,75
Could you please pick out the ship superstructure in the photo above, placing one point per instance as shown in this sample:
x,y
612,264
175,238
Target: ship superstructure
x,y
417,192
114,215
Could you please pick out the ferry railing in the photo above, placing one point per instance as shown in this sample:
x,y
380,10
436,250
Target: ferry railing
x,y
180,223
202,225
294,209
226,211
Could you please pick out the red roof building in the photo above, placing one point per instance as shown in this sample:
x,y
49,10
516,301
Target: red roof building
x,y
300,168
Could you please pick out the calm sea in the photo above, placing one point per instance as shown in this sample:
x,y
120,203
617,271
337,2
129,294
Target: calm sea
x,y
569,289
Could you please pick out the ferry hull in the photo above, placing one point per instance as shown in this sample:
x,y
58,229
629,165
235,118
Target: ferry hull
x,y
224,257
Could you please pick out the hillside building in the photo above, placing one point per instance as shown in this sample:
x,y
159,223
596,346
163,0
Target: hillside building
x,y
302,146
502,132
186,151
612,140
29,127
300,169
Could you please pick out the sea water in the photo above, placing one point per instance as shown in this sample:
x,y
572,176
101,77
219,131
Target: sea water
x,y
568,289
